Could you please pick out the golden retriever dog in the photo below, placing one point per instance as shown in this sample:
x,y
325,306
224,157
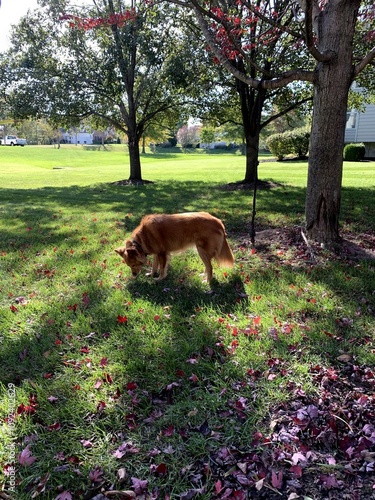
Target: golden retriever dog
x,y
161,234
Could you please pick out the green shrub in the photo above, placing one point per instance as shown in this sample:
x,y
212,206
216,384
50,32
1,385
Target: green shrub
x,y
354,152
290,142
172,141
299,140
278,146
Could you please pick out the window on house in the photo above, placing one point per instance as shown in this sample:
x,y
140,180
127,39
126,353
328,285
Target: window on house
x,y
351,119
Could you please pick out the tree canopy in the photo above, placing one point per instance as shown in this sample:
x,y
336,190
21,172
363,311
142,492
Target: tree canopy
x,y
102,61
242,42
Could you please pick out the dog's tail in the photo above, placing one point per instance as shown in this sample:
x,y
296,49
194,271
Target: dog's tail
x,y
225,257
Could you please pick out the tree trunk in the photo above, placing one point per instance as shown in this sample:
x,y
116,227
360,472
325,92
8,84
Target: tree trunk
x,y
251,109
333,79
135,161
252,153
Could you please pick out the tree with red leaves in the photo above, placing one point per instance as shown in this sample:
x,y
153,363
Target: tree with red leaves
x,y
258,52
327,30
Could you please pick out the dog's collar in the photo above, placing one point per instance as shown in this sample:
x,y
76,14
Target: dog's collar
x,y
139,246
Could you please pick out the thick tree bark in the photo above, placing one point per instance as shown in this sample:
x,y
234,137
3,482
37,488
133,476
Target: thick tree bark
x,y
251,109
135,160
252,153
332,81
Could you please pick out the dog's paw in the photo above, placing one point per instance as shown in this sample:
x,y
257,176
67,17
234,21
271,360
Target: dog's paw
x,y
153,275
159,278
204,277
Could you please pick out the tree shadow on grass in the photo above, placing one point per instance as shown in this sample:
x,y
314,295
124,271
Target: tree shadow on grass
x,y
175,196
187,296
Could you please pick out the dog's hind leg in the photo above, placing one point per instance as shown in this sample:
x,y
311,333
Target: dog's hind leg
x,y
206,261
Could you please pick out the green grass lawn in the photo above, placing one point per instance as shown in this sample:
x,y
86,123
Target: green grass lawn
x,y
164,388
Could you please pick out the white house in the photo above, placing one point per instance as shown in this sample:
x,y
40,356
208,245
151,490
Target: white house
x,y
71,137
360,127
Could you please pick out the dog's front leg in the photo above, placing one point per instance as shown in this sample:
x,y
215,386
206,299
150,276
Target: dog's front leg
x,y
163,264
155,266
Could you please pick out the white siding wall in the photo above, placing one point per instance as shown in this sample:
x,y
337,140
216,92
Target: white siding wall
x,y
364,129
78,138
366,125
350,135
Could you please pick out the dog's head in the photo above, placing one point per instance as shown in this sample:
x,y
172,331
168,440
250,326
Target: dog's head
x,y
132,256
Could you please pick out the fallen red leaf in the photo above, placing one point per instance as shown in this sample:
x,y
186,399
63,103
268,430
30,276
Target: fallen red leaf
x,y
218,487
103,362
98,384
65,495
277,479
257,320
54,427
85,299
117,394
296,471
161,470
169,431
26,458
86,443
96,475
101,405
139,485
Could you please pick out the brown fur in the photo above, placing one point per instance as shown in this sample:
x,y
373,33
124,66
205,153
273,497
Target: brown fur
x,y
161,234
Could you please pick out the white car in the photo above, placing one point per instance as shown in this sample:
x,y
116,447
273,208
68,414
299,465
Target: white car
x,y
13,140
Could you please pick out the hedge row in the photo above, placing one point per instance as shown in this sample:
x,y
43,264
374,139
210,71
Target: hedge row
x,y
291,142
354,152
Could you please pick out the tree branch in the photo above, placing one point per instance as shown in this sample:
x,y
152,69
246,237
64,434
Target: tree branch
x,y
368,59
119,53
271,22
285,111
273,83
311,8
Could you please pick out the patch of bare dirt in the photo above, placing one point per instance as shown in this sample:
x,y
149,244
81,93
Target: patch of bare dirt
x,y
358,246
235,186
129,182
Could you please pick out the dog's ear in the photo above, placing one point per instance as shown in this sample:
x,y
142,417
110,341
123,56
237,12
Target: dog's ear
x,y
121,251
129,243
131,252
135,254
